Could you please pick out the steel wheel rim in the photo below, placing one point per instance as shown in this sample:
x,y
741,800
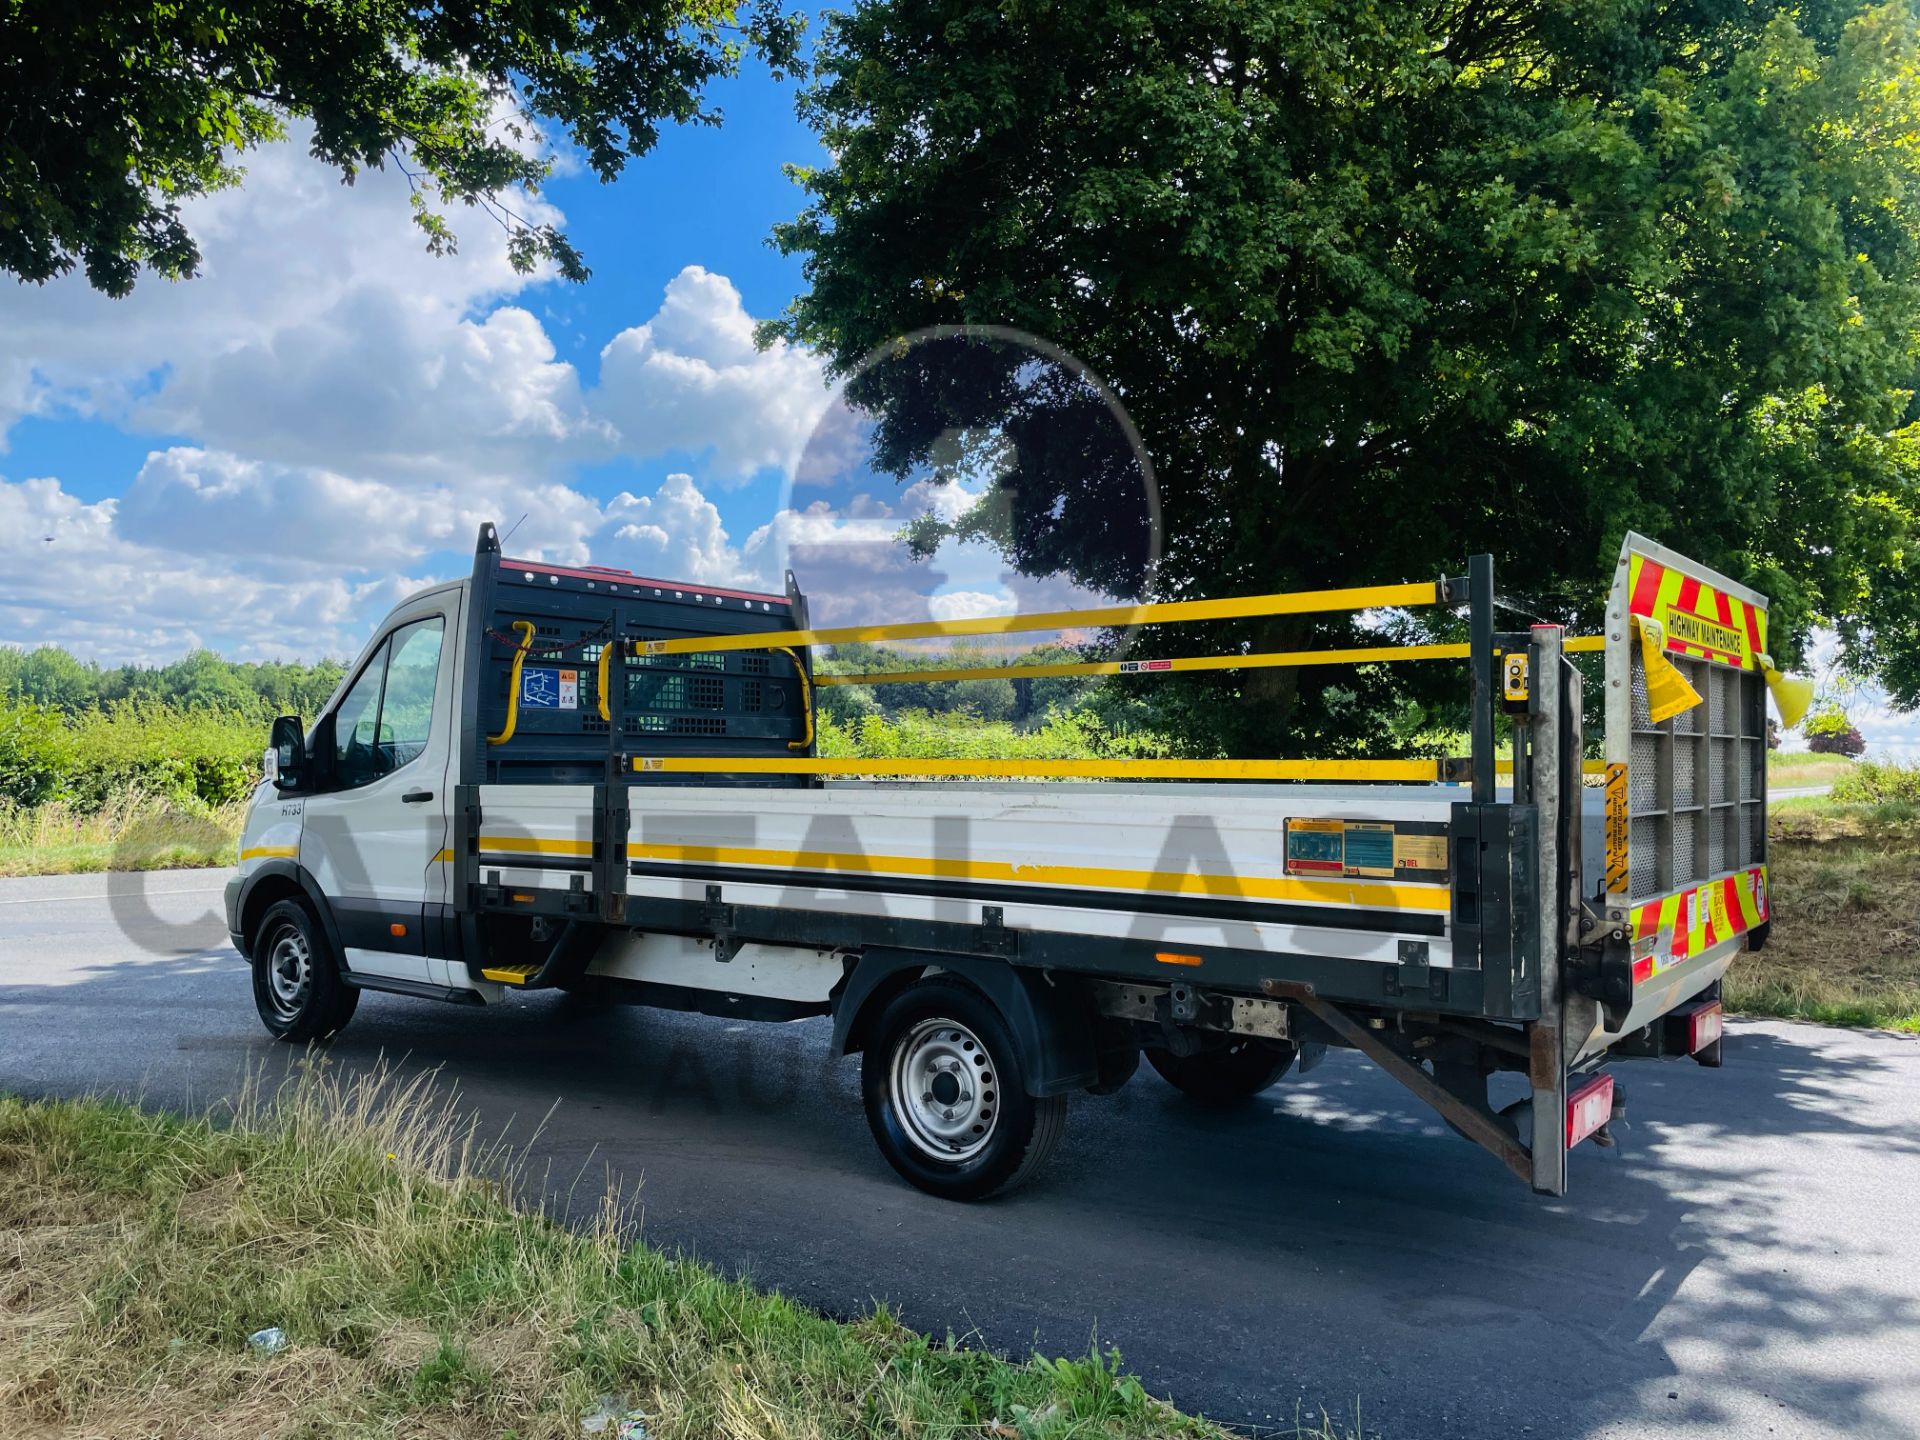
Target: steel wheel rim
x,y
289,972
945,1089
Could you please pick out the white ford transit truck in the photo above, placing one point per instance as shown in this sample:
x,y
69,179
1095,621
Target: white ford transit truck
x,y
543,776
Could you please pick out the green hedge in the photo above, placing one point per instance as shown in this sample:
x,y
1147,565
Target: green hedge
x,y
1871,782
1072,735
205,756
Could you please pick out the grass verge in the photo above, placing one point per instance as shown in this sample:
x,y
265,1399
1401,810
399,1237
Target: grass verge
x,y
140,1250
131,831
1787,770
1844,948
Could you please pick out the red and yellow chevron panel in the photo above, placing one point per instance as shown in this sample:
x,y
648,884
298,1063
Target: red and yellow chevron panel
x,y
1665,932
1699,621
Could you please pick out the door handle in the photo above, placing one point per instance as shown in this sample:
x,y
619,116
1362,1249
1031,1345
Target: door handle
x,y
414,797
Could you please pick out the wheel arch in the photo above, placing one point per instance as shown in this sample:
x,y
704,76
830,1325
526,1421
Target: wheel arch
x,y
278,880
1047,1015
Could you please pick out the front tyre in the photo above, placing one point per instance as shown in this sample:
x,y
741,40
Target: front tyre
x,y
296,985
946,1096
1228,1076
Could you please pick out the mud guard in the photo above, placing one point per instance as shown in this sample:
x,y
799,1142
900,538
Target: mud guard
x,y
1049,1019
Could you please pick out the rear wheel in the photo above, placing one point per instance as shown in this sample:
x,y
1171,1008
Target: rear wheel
x,y
1228,1076
296,983
946,1097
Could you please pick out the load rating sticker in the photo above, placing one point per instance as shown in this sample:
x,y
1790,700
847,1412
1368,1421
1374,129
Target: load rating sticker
x,y
1369,849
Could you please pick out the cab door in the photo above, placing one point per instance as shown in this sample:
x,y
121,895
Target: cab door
x,y
375,837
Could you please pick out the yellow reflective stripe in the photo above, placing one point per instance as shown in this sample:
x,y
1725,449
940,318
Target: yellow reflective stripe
x,y
1585,642
1300,602
444,855
1661,921
271,852
1409,770
530,845
1379,895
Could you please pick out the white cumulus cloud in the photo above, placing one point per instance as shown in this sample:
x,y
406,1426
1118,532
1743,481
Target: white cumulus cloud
x,y
690,380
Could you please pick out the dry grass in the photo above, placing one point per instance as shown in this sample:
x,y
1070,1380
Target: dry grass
x,y
1787,770
132,831
1844,947
137,1251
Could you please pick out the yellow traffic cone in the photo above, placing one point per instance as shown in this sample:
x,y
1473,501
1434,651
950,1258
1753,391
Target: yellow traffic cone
x,y
1668,692
1791,695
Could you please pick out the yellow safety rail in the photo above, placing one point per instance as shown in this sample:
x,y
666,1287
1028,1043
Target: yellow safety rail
x,y
526,632
1587,767
1415,771
1267,660
1295,603
1302,602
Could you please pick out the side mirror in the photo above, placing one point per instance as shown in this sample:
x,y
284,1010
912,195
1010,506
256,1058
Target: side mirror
x,y
289,752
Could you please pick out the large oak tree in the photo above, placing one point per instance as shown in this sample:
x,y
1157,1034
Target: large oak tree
x,y
1385,284
112,112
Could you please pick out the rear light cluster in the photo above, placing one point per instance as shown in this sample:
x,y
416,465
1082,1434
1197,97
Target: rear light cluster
x,y
1588,1108
1704,1025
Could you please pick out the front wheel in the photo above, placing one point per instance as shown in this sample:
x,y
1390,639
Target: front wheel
x,y
296,985
946,1097
1227,1076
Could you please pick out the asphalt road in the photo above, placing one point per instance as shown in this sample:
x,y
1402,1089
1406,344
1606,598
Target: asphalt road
x,y
1747,1263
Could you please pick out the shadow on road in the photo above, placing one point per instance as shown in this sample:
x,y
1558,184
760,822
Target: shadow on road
x,y
1747,1258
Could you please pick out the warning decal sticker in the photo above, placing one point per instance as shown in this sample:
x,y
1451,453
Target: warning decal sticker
x,y
542,689
1371,849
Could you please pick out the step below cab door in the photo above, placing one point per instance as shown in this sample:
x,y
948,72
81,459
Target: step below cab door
x,y
375,837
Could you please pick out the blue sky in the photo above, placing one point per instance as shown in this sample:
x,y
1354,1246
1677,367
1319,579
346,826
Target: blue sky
x,y
706,196
262,460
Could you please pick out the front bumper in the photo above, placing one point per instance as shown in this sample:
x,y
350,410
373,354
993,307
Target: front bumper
x,y
235,888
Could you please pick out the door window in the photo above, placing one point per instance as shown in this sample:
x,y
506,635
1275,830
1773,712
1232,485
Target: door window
x,y
406,715
385,718
356,726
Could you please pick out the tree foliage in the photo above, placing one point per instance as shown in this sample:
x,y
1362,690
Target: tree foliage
x,y
112,112
1386,285
1023,702
52,679
1829,731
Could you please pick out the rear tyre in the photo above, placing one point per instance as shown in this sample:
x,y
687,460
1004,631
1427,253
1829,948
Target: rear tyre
x,y
946,1097
1228,1076
296,980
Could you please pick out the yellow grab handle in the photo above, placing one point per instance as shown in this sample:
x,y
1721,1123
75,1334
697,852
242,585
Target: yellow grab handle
x,y
806,699
606,655
525,627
